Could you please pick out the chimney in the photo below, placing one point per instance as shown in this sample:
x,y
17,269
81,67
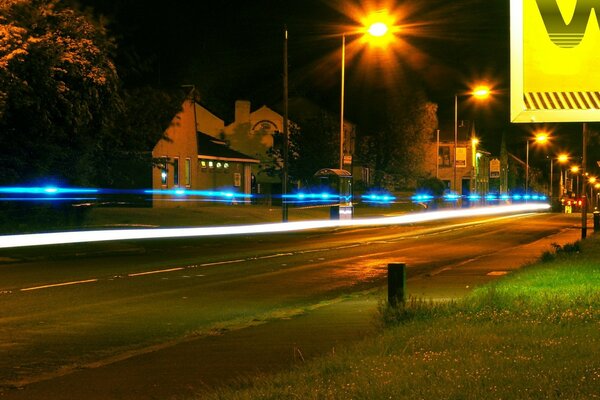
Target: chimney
x,y
242,112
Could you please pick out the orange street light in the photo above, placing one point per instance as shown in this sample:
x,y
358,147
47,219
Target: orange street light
x,y
541,138
377,30
562,158
480,92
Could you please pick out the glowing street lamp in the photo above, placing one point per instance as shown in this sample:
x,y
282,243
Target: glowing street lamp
x,y
480,92
475,161
376,30
575,171
562,159
540,138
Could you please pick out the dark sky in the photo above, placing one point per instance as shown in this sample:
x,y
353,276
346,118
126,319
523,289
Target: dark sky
x,y
233,49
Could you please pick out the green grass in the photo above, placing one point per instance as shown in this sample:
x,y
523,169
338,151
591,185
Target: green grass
x,y
534,334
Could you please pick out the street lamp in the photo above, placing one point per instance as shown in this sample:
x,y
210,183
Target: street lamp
x,y
562,159
480,92
377,29
541,138
474,143
575,171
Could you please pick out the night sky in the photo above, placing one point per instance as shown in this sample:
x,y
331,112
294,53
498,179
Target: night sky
x,y
234,49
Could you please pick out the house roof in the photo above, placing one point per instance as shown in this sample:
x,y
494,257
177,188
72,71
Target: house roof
x,y
210,147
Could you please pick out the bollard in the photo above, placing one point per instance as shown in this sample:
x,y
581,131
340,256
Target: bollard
x,y
396,283
596,221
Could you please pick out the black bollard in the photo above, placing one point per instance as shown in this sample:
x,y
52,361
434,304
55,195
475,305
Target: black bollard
x,y
396,283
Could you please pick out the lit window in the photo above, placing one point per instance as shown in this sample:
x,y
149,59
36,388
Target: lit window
x,y
188,172
226,165
219,165
203,164
211,164
164,174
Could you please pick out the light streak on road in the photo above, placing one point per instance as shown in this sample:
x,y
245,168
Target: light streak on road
x,y
41,239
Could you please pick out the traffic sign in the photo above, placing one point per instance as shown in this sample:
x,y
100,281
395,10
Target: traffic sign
x,y
555,59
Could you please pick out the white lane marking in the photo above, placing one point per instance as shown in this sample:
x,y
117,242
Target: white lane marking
x,y
274,256
58,284
222,262
159,271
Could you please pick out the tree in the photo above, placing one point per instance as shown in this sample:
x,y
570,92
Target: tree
x,y
397,151
313,145
59,92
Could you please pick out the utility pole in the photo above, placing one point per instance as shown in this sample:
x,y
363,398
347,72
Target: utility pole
x,y
284,189
583,184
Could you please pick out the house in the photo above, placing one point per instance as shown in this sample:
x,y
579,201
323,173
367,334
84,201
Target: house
x,y
252,133
194,161
467,177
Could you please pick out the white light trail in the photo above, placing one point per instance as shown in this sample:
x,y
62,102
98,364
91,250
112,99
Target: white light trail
x,y
42,239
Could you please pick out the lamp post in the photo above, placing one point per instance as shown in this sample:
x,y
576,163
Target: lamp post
x,y
575,171
562,159
541,138
480,92
377,30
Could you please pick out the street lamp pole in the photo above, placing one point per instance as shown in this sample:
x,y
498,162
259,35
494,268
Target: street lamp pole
x,y
342,101
527,169
455,140
551,179
540,138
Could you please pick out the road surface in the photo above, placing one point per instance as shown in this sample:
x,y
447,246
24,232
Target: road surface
x,y
103,306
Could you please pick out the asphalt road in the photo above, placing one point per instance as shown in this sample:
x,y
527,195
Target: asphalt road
x,y
96,307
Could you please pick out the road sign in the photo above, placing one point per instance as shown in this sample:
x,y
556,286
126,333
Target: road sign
x,y
555,59
495,168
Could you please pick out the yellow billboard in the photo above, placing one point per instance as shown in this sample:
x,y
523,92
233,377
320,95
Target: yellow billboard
x,y
555,60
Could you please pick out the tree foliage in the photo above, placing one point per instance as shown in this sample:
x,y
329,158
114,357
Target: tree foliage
x,y
313,145
397,151
58,91
64,113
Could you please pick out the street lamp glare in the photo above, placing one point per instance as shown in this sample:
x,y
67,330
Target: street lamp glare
x,y
481,92
541,137
563,158
378,29
575,169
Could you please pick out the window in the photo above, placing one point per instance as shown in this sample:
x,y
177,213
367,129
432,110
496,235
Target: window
x,y
188,172
444,156
211,164
176,171
203,165
226,165
164,172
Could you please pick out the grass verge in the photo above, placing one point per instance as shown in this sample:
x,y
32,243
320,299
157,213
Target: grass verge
x,y
534,334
